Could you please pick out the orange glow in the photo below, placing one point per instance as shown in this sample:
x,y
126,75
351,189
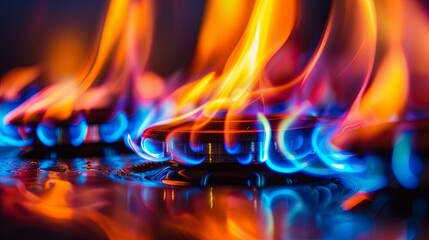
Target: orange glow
x,y
366,66
61,201
388,93
54,203
354,200
65,55
386,97
150,85
222,27
121,56
269,27
15,80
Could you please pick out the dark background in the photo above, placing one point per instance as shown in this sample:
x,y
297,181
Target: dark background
x,y
27,25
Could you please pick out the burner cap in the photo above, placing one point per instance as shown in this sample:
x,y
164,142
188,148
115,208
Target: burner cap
x,y
208,139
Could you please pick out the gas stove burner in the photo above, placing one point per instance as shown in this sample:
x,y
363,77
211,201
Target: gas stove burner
x,y
82,127
251,140
206,174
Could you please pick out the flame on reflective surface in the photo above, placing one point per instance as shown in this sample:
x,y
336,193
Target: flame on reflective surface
x,y
364,72
53,196
107,78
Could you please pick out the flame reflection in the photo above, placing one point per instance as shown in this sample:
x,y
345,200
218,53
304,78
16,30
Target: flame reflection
x,y
53,195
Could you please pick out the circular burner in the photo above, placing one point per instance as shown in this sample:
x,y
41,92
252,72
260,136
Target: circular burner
x,y
82,127
189,142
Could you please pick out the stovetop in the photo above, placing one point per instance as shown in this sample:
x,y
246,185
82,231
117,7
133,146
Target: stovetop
x,y
110,197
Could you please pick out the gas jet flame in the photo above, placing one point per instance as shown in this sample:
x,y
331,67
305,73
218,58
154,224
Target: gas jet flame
x,y
364,75
120,55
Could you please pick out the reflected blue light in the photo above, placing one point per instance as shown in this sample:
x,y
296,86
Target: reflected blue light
x,y
78,132
112,131
114,162
46,134
79,164
295,204
373,178
46,163
405,165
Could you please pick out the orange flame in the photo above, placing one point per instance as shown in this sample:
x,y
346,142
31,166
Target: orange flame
x,y
369,63
121,55
387,98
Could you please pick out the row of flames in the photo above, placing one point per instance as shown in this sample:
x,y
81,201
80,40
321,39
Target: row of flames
x,y
368,69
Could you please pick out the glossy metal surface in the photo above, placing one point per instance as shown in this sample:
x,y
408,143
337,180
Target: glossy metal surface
x,y
93,198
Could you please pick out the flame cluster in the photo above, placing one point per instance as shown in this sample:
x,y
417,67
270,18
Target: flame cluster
x,y
365,69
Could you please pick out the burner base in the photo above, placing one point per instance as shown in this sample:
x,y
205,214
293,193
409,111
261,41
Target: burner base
x,y
215,174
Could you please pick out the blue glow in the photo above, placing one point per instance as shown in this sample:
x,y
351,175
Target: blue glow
x,y
46,135
46,163
275,161
115,162
153,148
112,131
338,160
284,148
78,132
138,122
232,149
284,165
267,137
405,165
9,135
293,200
196,147
182,157
245,160
205,179
144,155
79,164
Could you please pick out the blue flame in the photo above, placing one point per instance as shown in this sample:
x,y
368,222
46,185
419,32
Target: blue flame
x,y
275,161
143,154
47,135
405,165
139,121
267,137
180,156
78,132
112,131
153,148
232,150
341,161
296,147
245,160
9,135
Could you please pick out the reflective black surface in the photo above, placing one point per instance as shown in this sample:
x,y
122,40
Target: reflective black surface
x,y
109,197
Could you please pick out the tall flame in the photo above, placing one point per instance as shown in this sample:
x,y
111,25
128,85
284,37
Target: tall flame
x,y
121,55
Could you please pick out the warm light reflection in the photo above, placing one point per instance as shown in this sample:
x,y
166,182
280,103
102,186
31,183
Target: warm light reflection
x,y
365,71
